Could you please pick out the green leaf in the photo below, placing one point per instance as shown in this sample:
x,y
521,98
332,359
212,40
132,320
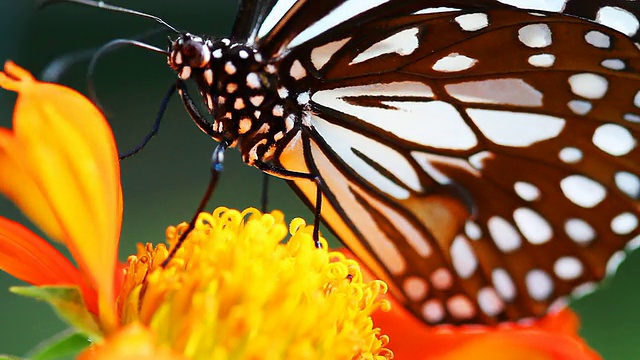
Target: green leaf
x,y
10,357
64,344
67,302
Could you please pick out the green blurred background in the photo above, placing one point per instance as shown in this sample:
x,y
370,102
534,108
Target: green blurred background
x,y
163,184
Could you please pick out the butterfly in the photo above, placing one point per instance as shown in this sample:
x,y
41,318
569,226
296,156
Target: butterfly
x,y
480,156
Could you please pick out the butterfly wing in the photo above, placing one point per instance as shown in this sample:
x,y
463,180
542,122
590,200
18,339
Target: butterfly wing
x,y
480,159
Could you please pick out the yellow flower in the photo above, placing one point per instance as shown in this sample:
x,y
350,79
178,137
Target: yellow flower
x,y
235,291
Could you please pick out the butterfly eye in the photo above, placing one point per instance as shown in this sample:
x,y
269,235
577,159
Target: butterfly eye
x,y
189,50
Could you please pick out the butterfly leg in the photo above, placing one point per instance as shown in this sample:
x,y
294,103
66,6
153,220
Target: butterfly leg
x,y
156,125
205,125
264,200
216,168
292,175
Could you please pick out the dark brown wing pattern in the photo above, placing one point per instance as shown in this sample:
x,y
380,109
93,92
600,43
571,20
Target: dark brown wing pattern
x,y
484,163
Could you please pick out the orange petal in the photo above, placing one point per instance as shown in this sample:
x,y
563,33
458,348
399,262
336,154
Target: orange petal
x,y
30,258
553,337
132,342
67,149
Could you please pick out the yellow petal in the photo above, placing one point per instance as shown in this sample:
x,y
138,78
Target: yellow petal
x,y
67,149
131,342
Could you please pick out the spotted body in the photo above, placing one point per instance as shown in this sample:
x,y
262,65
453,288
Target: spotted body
x,y
251,107
480,156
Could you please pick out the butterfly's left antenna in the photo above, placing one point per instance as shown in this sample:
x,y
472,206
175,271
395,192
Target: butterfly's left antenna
x,y
103,5
53,71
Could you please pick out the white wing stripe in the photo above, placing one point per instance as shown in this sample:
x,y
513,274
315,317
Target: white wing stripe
x,y
498,91
516,129
413,236
402,43
434,10
382,246
276,14
343,141
321,55
546,5
435,123
342,13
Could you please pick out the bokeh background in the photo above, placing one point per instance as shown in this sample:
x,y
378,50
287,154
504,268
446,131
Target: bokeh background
x,y
163,184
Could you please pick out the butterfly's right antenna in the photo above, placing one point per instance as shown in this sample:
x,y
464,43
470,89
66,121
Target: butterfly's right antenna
x,y
102,5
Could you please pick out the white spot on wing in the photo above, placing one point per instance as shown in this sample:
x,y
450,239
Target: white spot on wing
x,y
415,288
542,60
633,244
613,139
496,91
433,311
539,284
535,35
297,71
321,55
461,307
613,64
598,39
402,43
624,223
628,183
441,279
614,262
579,231
527,191
587,85
568,268
504,235
533,226
631,117
515,128
489,301
570,155
503,284
472,22
579,107
618,19
463,257
472,230
583,191
454,62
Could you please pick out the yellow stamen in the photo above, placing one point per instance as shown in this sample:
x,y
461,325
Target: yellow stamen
x,y
234,290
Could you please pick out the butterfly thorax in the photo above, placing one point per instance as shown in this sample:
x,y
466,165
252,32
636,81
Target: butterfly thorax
x,y
240,90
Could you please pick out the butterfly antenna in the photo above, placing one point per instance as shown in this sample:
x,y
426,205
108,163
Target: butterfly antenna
x,y
103,50
103,5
